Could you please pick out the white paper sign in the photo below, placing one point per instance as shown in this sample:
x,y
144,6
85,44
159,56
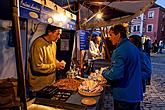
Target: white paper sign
x,y
64,45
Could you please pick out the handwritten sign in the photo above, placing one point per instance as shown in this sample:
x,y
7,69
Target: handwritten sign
x,y
84,40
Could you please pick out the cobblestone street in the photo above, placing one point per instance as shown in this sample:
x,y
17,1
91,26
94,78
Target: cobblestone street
x,y
154,98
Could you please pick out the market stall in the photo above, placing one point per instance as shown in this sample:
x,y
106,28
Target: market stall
x,y
73,92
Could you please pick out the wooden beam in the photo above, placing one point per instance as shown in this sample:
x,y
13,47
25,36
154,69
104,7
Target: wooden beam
x,y
18,54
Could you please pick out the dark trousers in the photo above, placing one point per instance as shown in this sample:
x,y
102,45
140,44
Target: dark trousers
x,y
121,105
148,82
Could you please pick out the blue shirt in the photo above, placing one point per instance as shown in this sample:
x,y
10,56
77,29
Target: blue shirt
x,y
125,73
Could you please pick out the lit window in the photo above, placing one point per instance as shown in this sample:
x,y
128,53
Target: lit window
x,y
149,27
164,16
151,14
162,28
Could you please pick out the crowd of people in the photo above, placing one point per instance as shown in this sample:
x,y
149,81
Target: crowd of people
x,y
155,47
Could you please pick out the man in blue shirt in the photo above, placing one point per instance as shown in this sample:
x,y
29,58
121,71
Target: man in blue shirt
x,y
125,72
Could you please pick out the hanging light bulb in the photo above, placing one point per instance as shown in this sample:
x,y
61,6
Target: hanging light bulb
x,y
99,15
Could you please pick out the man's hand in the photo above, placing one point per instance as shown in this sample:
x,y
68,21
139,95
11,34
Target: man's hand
x,y
63,63
60,65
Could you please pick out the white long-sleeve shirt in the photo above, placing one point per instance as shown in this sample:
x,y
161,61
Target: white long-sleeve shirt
x,y
93,50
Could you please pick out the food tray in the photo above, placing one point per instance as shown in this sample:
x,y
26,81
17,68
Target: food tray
x,y
85,93
102,83
47,92
68,84
52,92
62,95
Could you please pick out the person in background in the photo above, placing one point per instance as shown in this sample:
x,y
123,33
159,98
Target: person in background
x,y
147,46
161,45
93,48
42,63
124,73
100,45
155,46
145,61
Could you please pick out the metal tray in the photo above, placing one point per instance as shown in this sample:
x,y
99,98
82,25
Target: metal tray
x,y
62,95
52,92
47,92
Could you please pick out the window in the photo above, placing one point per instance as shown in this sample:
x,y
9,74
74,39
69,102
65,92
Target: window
x,y
149,27
151,14
138,28
134,28
164,16
162,29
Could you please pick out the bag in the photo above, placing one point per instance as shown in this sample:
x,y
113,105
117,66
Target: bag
x,y
8,93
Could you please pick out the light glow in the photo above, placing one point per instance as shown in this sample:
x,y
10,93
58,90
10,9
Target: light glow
x,y
60,18
99,15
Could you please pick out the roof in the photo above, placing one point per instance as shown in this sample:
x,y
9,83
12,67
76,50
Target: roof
x,y
157,6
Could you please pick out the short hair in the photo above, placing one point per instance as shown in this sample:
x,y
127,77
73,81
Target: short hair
x,y
51,28
137,40
119,29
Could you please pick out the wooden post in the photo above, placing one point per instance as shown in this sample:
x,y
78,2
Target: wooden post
x,y
18,53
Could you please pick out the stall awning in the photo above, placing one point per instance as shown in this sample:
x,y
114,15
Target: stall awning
x,y
113,11
116,11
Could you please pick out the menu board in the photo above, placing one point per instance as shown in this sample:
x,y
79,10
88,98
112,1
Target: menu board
x,y
84,40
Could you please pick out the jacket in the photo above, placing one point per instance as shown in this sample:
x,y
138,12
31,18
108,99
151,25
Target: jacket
x,y
125,73
145,68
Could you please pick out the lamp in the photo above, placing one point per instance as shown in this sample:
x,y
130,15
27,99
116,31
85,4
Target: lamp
x,y
99,15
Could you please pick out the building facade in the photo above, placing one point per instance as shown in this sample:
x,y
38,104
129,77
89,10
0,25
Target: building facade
x,y
151,23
